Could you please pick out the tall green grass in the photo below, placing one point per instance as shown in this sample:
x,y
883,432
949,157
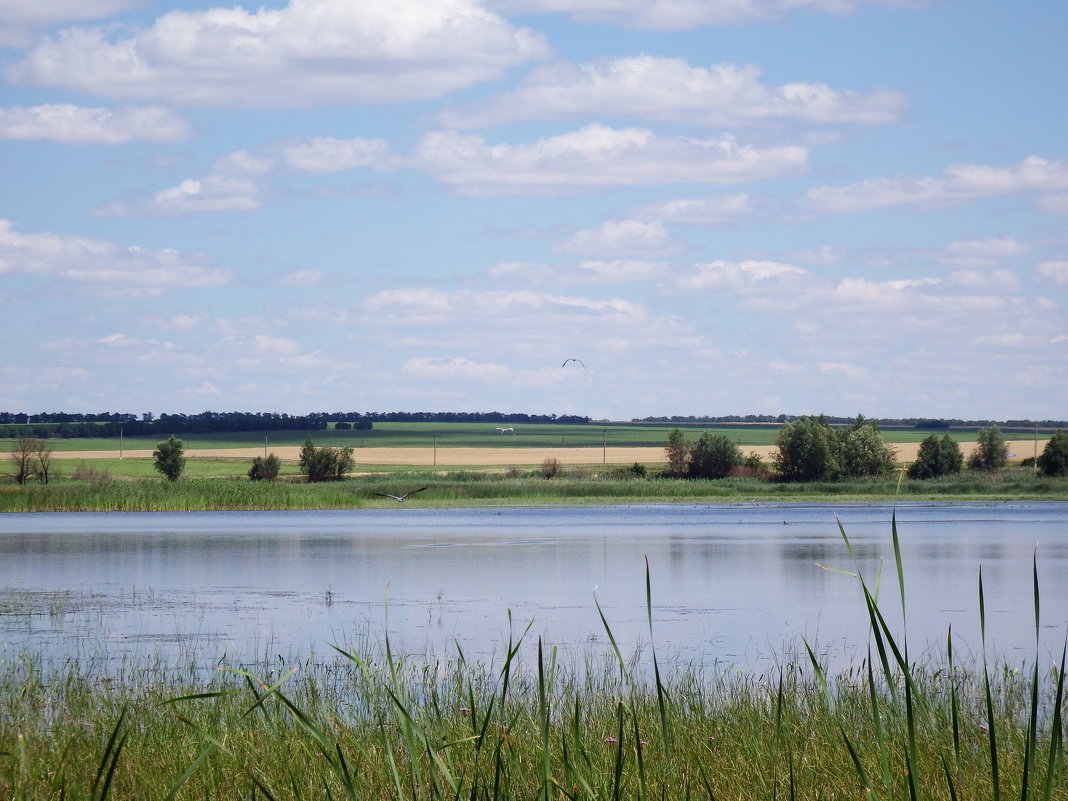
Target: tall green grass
x,y
376,724
515,487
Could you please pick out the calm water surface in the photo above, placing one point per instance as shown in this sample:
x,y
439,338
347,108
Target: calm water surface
x,y
732,585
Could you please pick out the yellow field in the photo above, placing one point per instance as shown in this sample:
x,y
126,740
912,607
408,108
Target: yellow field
x,y
488,457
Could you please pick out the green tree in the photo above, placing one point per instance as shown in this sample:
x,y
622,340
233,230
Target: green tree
x,y
862,451
1053,461
170,458
991,452
937,456
808,450
678,453
713,456
324,464
265,468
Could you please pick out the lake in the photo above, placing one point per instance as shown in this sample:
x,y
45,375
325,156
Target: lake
x,y
733,585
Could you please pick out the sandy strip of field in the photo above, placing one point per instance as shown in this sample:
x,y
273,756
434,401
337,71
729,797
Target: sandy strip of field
x,y
488,457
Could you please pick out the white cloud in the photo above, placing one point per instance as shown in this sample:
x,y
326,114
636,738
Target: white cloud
x,y
851,371
964,183
739,276
1055,271
455,368
984,279
670,90
661,15
620,237
598,157
233,185
326,154
20,21
619,271
712,211
979,253
302,278
69,124
424,305
308,53
885,294
100,265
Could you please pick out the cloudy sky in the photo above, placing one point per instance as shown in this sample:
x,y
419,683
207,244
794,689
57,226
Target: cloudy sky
x,y
718,206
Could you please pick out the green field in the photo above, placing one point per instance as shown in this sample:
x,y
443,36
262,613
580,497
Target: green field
x,y
483,435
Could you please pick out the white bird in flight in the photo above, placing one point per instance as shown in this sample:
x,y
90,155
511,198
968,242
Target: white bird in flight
x,y
502,430
400,498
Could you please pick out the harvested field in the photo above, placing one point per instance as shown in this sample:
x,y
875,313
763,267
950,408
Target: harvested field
x,y
504,457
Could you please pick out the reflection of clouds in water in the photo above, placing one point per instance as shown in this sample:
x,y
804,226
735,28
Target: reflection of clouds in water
x,y
730,585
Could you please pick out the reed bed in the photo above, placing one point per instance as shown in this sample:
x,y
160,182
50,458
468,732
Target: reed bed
x,y
510,487
375,724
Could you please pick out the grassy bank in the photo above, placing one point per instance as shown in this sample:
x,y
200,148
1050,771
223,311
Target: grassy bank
x,y
377,725
487,488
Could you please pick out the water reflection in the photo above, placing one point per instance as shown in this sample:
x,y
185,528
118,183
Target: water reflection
x,y
734,584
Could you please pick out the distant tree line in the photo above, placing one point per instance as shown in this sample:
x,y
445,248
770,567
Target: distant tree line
x,y
109,424
921,423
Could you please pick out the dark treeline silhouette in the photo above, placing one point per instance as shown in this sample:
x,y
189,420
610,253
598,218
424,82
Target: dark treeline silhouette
x,y
112,424
921,423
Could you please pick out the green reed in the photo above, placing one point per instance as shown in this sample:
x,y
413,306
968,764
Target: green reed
x,y
371,723
578,485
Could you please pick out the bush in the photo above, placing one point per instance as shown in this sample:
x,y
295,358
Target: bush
x,y
551,468
991,453
1053,461
324,464
807,450
169,458
678,454
713,456
938,456
265,468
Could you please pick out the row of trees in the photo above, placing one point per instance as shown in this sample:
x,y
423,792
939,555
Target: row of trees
x,y
811,450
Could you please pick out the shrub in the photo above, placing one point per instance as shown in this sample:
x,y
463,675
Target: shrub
x,y
938,456
991,452
678,453
1053,461
265,468
713,456
551,468
324,464
807,450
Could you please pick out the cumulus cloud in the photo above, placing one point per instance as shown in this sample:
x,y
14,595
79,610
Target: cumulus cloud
x,y
669,15
430,305
711,211
1055,271
326,154
69,124
739,276
979,253
234,184
102,267
620,237
598,157
965,183
308,53
447,369
20,21
620,271
671,90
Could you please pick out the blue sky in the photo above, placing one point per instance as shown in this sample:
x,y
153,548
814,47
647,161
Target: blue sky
x,y
747,206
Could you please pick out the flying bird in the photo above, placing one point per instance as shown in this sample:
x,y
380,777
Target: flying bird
x,y
573,360
503,430
400,498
